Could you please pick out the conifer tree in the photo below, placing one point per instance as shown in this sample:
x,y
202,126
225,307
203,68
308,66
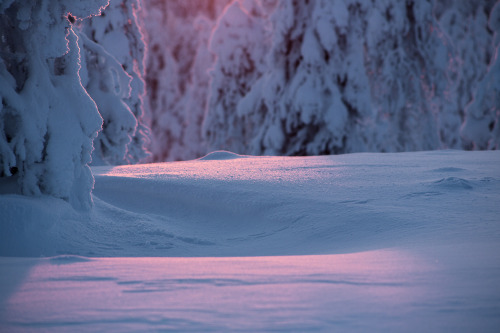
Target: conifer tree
x,y
47,119
113,53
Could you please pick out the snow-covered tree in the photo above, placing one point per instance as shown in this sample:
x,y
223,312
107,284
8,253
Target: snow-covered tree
x,y
240,42
47,119
314,89
113,70
407,60
195,99
476,30
465,24
177,73
341,76
322,76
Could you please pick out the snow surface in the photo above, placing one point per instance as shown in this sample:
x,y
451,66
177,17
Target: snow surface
x,y
359,242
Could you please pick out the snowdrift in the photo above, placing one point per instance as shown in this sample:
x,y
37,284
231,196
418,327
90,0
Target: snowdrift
x,y
230,205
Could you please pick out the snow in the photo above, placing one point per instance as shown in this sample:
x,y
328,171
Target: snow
x,y
220,155
358,242
377,290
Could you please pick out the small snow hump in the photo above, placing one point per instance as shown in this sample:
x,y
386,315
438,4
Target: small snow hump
x,y
448,169
68,259
453,183
220,155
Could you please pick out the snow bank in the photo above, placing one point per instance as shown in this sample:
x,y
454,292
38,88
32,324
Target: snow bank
x,y
226,205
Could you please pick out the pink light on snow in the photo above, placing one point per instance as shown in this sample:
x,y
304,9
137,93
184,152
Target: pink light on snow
x,y
243,292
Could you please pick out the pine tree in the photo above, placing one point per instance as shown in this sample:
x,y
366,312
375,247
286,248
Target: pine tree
x,y
113,73
239,42
47,120
465,25
314,90
340,76
177,74
471,30
408,60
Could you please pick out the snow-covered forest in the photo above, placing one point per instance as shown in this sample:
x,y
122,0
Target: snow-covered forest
x,y
173,80
394,228
323,77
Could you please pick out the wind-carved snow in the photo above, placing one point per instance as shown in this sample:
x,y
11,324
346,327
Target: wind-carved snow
x,y
383,242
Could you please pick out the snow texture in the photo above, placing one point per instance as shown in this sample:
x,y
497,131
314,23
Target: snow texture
x,y
355,242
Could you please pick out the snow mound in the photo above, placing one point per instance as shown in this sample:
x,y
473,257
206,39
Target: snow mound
x,y
68,259
220,155
453,183
448,169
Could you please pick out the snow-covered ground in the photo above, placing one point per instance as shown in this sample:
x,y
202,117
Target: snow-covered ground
x,y
359,242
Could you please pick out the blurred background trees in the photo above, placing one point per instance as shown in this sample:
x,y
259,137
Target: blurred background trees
x,y
322,77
